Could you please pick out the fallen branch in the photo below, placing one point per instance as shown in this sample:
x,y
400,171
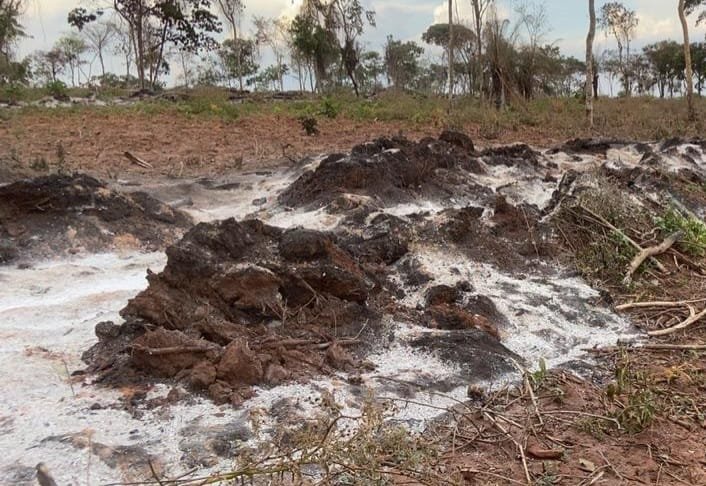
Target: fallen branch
x,y
137,160
650,252
693,317
172,350
639,305
674,347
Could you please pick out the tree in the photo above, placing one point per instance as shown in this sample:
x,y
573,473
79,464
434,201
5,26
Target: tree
x,y
588,90
232,12
464,47
10,27
402,62
666,63
153,25
621,23
274,33
533,17
313,43
345,20
450,52
10,31
480,8
49,65
238,58
98,37
691,5
72,48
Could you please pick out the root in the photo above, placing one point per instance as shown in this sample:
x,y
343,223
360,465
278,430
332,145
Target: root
x,y
650,252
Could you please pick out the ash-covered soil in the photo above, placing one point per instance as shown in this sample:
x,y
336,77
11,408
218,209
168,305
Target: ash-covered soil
x,y
67,214
265,301
399,269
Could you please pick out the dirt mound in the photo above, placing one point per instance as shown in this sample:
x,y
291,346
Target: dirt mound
x,y
391,170
244,303
57,214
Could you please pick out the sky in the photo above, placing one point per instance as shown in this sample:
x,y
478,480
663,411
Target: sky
x,y
45,21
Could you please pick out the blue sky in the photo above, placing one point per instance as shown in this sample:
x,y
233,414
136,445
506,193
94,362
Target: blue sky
x,y
407,19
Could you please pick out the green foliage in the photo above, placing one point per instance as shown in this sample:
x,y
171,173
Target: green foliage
x,y
309,125
57,89
540,375
329,108
402,61
694,230
639,412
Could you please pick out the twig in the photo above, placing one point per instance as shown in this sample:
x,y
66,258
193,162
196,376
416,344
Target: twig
x,y
693,317
68,377
650,252
154,473
519,446
674,347
492,475
137,160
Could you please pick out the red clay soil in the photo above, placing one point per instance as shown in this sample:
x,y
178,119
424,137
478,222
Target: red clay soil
x,y
94,140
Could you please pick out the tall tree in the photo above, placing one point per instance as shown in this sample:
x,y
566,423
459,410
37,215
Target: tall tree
x,y
687,61
620,22
402,62
156,24
451,52
274,33
588,90
346,20
98,37
232,12
480,9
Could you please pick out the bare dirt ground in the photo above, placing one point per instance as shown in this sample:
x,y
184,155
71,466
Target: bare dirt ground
x,y
94,141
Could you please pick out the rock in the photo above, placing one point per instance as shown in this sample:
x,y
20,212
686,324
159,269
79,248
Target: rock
x,y
106,330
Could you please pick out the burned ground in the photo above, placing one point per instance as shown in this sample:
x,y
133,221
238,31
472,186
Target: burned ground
x,y
473,273
60,214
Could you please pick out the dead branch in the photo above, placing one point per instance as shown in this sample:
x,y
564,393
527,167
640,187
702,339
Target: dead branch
x,y
612,227
171,350
657,303
675,347
650,252
137,160
693,317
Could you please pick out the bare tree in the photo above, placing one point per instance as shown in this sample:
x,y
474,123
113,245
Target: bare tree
x,y
687,62
589,61
99,36
232,12
621,23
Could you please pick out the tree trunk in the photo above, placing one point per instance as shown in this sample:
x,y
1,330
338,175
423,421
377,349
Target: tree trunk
x,y
451,53
687,62
479,46
589,62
